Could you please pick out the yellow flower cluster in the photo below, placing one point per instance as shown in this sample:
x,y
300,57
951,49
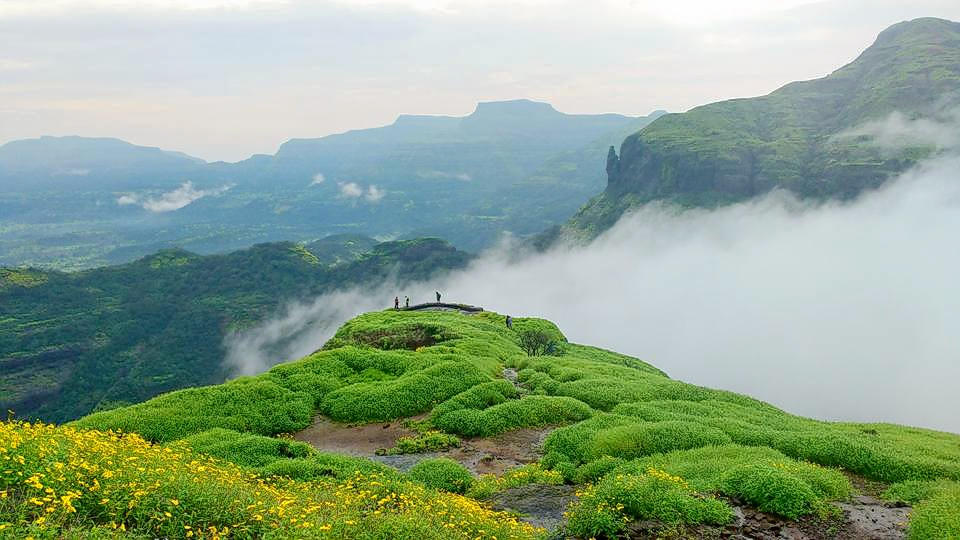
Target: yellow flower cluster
x,y
664,475
57,478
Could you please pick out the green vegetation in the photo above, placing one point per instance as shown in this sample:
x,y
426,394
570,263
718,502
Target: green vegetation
x,y
430,441
528,411
794,138
936,512
60,482
442,473
486,485
646,447
603,509
78,342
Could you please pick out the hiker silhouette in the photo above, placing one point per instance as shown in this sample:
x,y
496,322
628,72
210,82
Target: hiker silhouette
x,y
438,297
396,302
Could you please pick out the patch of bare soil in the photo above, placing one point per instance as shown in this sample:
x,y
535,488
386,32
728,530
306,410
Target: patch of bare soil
x,y
481,455
362,441
863,517
495,455
540,505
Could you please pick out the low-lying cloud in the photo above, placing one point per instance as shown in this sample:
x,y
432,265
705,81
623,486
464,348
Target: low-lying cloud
x,y
441,175
171,200
353,190
317,179
844,311
898,131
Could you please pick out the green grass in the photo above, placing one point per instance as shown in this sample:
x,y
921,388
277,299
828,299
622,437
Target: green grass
x,y
486,485
528,411
936,512
604,509
442,473
617,417
430,441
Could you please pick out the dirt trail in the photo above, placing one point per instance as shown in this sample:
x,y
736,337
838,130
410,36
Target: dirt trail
x,y
864,517
362,441
482,456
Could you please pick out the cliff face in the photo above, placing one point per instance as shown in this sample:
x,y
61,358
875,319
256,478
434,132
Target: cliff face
x,y
736,149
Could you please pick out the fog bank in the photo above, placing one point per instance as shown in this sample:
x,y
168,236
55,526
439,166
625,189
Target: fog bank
x,y
836,311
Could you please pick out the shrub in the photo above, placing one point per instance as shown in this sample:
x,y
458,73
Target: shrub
x,y
529,411
538,343
442,473
770,489
655,495
325,465
937,517
916,491
596,469
410,394
252,405
488,484
246,449
431,441
636,440
480,396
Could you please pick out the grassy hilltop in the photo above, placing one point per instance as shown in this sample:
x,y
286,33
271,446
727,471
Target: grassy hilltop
x,y
212,461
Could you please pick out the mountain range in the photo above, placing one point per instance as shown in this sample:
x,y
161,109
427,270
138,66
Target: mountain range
x,y
509,167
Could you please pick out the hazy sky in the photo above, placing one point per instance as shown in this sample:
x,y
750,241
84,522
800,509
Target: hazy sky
x,y
223,79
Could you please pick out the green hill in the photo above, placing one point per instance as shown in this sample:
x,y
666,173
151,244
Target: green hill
x,y
73,342
791,138
646,450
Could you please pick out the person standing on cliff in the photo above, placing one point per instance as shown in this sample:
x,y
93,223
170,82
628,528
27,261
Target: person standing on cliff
x,y
408,302
438,296
509,322
396,302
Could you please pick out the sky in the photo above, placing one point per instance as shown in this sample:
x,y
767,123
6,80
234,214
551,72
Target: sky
x,y
225,79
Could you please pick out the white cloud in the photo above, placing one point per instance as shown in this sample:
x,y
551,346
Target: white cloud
x,y
445,175
47,7
350,190
374,194
838,311
898,131
171,200
317,179
127,199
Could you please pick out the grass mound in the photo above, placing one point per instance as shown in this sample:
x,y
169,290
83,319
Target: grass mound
x,y
529,411
605,509
442,473
936,513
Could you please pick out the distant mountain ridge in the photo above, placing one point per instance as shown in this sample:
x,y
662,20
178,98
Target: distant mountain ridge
x,y
736,149
47,162
513,167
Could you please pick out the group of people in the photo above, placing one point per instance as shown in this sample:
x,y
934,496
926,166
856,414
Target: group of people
x,y
396,300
